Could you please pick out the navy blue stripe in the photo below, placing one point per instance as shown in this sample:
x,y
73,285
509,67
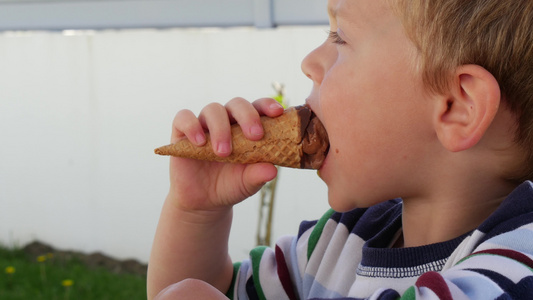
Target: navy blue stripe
x,y
503,282
250,289
372,220
389,295
409,257
336,299
514,211
304,226
523,290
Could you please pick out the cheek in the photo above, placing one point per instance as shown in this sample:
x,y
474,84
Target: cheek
x,y
338,106
339,80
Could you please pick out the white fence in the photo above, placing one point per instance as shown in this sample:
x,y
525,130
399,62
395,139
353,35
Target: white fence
x,y
81,112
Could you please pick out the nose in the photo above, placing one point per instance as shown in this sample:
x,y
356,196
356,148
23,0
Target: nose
x,y
316,63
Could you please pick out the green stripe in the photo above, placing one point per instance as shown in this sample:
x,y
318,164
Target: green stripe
x,y
409,294
256,255
236,267
317,232
492,254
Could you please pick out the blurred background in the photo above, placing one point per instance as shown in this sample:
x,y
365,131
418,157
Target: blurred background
x,y
89,88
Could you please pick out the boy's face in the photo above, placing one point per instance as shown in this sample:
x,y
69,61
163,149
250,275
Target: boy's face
x,y
372,103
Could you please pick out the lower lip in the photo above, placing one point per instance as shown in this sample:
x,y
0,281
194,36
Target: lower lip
x,y
323,167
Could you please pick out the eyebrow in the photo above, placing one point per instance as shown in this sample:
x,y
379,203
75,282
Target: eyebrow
x,y
332,11
336,12
339,12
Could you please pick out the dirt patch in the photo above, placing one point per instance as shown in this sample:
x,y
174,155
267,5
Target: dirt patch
x,y
93,260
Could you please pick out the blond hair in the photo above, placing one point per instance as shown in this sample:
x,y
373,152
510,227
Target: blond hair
x,y
494,34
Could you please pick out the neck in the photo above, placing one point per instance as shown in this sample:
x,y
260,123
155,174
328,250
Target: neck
x,y
456,211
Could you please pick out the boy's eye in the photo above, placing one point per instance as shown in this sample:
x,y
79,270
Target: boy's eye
x,y
335,38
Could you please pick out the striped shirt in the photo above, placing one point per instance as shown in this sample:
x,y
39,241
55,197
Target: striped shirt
x,y
347,256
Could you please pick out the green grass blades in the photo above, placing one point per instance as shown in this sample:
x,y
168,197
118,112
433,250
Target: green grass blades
x,y
48,277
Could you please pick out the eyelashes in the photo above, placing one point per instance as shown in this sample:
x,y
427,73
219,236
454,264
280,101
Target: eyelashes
x,y
335,38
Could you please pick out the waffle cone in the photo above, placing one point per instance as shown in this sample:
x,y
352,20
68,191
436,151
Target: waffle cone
x,y
280,145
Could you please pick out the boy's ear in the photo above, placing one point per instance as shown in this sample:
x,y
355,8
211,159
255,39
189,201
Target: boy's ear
x,y
464,113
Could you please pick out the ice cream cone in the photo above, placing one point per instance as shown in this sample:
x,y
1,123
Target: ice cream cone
x,y
281,144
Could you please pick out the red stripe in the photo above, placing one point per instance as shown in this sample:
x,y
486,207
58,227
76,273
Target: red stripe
x,y
435,282
510,254
284,275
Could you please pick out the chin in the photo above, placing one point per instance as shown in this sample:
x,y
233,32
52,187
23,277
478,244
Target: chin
x,y
344,202
339,203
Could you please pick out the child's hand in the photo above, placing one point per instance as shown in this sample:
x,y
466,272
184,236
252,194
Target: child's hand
x,y
206,186
202,193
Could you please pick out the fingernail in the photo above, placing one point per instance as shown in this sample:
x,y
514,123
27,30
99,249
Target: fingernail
x,y
200,139
224,148
276,106
256,130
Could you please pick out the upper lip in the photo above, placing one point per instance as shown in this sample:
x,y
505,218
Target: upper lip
x,y
308,104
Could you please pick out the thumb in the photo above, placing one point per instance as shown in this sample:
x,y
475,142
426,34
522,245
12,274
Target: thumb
x,y
257,175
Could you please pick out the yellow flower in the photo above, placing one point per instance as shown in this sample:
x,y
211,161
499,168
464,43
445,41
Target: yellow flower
x,y
10,270
67,282
49,255
41,258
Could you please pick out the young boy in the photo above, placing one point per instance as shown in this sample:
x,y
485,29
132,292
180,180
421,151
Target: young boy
x,y
428,103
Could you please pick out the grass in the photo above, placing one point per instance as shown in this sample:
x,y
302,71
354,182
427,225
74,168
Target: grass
x,y
49,277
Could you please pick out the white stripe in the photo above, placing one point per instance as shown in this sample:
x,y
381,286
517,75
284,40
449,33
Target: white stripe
x,y
507,267
268,277
400,272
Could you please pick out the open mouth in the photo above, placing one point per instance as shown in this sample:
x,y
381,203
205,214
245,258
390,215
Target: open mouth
x,y
315,142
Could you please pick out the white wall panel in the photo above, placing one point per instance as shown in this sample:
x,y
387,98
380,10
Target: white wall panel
x,y
81,114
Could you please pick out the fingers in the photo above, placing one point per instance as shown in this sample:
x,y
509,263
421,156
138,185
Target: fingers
x,y
217,119
248,114
186,124
268,107
244,113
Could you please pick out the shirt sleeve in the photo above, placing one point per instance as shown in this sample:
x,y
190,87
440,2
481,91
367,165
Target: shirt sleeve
x,y
279,272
